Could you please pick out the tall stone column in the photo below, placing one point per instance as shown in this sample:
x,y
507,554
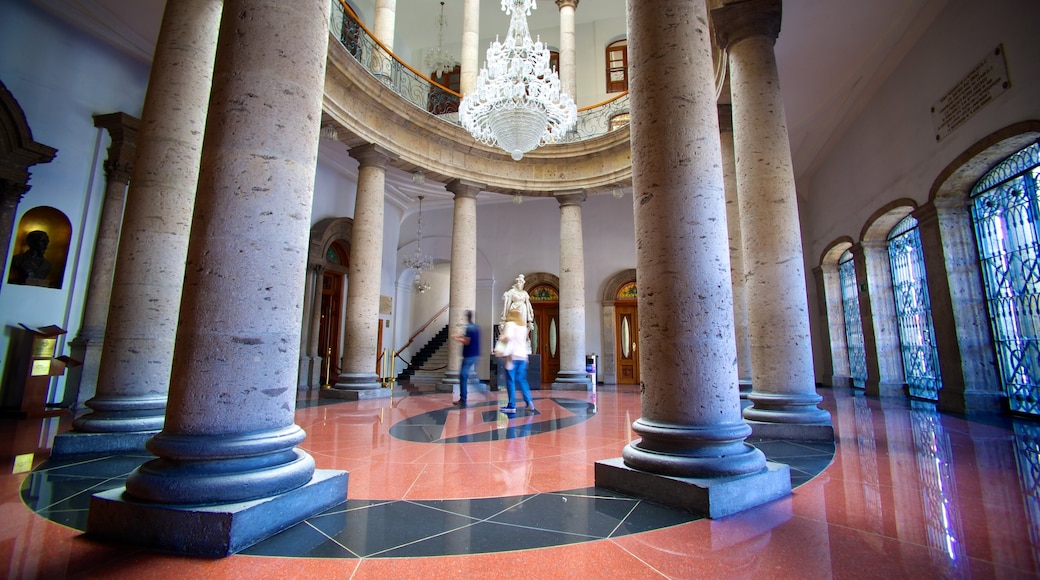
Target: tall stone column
x,y
228,472
130,402
691,453
878,311
86,347
462,293
784,399
568,71
470,57
572,375
736,252
830,283
970,375
358,378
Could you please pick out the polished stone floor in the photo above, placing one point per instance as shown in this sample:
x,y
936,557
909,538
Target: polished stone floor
x,y
441,492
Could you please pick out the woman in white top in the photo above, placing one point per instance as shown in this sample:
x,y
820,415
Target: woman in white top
x,y
514,334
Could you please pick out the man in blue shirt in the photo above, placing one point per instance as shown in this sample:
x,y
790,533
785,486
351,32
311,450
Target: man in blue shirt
x,y
470,353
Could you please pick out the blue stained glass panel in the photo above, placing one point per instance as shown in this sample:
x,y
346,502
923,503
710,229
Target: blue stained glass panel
x,y
853,323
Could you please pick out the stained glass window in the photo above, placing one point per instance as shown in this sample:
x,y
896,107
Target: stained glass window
x,y
853,326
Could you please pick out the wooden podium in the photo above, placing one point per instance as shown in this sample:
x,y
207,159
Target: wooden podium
x,y
32,364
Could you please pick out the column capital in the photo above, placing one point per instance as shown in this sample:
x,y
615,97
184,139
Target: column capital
x,y
566,198
122,128
561,4
737,20
725,118
371,155
464,188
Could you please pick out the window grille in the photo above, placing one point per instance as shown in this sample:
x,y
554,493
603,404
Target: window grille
x,y
853,324
913,311
1005,214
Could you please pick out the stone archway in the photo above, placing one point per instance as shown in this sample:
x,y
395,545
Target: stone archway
x,y
327,259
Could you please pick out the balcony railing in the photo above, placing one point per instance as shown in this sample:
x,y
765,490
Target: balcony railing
x,y
437,99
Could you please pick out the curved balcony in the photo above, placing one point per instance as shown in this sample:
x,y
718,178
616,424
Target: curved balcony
x,y
373,97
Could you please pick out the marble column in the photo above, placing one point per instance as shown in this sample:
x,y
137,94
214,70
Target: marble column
x,y
968,364
568,71
736,252
691,453
86,347
470,58
229,472
130,402
462,292
572,375
784,399
880,329
358,378
830,284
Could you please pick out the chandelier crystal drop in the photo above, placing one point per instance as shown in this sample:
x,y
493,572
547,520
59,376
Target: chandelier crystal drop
x,y
440,61
419,262
517,102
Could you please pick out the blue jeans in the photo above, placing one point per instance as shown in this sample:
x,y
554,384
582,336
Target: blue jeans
x,y
468,362
518,375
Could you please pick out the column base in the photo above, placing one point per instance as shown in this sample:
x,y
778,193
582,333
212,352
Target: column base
x,y
449,382
745,387
355,387
211,530
78,443
791,431
841,381
710,497
791,408
572,381
878,389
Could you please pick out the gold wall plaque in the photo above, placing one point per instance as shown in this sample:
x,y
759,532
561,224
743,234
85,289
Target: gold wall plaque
x,y
44,347
41,368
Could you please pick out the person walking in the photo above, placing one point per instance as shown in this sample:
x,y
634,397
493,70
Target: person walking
x,y
470,339
514,334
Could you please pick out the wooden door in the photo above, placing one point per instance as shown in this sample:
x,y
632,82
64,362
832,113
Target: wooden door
x,y
545,338
627,339
328,331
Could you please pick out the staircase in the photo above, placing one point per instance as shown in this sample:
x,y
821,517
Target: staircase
x,y
428,364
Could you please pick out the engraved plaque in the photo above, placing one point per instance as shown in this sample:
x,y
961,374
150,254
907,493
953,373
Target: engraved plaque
x,y
44,347
41,368
987,81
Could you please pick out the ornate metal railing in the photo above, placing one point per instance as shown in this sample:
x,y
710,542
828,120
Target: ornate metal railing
x,y
914,311
853,323
437,99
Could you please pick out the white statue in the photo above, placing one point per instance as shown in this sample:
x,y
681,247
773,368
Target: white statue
x,y
516,298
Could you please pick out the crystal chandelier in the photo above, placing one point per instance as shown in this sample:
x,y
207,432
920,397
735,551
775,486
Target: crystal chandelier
x,y
440,61
517,103
420,262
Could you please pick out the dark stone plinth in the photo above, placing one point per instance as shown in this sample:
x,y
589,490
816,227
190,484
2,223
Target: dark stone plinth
x,y
355,394
76,443
791,431
710,497
534,373
212,530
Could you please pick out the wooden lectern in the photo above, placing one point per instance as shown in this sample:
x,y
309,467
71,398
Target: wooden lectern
x,y
32,364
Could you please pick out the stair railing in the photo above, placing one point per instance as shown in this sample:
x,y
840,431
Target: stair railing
x,y
416,334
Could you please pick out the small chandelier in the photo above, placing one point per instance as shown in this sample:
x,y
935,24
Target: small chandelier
x,y
440,61
419,262
517,102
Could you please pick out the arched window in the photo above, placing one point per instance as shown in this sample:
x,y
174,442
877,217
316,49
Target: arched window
x,y
1005,212
913,311
853,324
617,66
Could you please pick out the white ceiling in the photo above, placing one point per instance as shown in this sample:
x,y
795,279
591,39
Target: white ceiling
x,y
832,54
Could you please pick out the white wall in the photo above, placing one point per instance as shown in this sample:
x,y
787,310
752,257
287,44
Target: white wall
x,y
890,151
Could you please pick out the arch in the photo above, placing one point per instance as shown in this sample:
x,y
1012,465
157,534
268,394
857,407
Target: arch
x,y
330,234
884,219
610,288
832,253
957,178
608,323
539,278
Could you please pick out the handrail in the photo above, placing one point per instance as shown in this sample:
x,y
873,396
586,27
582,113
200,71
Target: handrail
x,y
411,339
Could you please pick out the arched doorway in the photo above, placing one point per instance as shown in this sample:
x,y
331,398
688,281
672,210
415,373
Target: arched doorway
x,y
626,337
545,338
332,287
325,304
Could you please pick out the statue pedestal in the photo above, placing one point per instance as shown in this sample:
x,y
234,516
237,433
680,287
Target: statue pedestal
x,y
534,373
